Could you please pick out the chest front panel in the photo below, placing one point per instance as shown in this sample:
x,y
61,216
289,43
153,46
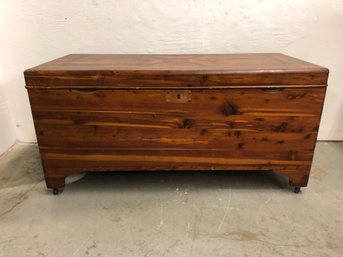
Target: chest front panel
x,y
256,125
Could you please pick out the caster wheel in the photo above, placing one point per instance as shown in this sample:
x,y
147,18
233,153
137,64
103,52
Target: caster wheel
x,y
55,191
296,190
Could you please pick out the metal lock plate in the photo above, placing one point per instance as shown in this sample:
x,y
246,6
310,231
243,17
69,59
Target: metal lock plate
x,y
178,96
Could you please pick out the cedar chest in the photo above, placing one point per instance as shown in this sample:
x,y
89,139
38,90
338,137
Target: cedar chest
x,y
108,112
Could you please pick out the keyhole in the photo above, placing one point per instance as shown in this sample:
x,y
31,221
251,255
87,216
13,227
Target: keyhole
x,y
178,96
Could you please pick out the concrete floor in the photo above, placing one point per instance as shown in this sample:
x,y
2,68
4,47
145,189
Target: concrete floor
x,y
171,213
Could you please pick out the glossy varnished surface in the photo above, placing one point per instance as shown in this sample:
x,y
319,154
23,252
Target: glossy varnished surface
x,y
192,112
154,71
248,129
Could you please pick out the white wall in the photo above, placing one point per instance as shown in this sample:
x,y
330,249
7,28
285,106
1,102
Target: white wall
x,y
7,131
34,31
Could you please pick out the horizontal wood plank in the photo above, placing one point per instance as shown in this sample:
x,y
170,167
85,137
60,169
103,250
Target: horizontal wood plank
x,y
136,137
263,155
289,102
152,159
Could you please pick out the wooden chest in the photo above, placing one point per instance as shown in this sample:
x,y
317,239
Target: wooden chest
x,y
176,112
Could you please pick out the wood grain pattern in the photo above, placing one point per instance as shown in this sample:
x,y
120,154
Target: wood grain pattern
x,y
175,71
218,102
229,115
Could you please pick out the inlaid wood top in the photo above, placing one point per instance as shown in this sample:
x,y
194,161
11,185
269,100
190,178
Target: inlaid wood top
x,y
108,70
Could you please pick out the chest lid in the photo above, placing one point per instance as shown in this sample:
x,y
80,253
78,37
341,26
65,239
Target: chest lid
x,y
175,71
